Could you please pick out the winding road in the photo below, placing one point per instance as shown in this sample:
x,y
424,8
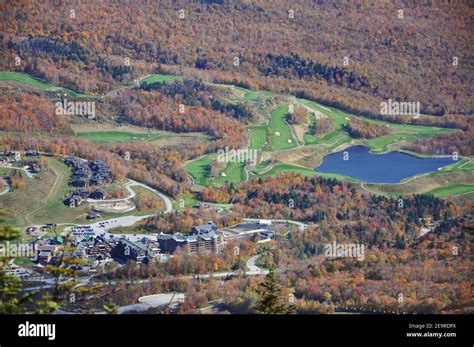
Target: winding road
x,y
128,186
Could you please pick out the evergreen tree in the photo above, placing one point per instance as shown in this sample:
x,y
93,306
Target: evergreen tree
x,y
11,302
270,301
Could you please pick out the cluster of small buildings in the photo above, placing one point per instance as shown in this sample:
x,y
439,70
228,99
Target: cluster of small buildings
x,y
8,158
85,175
202,238
82,194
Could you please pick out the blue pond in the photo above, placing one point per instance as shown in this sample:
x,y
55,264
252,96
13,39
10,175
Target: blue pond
x,y
391,167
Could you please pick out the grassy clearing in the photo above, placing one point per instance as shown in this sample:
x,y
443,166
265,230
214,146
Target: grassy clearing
x,y
200,169
401,132
408,128
380,144
246,95
333,139
53,207
460,166
185,201
467,167
234,173
35,82
41,201
160,78
452,190
121,136
282,138
249,95
6,171
118,136
258,136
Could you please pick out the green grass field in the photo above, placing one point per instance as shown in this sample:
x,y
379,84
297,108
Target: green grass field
x,y
6,171
462,165
185,201
334,138
54,206
200,170
41,201
234,173
282,137
400,132
118,136
452,190
35,82
258,136
380,144
160,78
250,95
122,136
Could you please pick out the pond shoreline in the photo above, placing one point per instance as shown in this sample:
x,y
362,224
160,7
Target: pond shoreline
x,y
391,167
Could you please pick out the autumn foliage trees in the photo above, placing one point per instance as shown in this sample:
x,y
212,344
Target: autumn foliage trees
x,y
338,207
155,110
16,180
146,202
299,116
361,129
345,60
323,125
26,112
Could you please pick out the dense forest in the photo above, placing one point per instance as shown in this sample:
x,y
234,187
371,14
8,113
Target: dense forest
x,y
327,51
155,110
29,113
